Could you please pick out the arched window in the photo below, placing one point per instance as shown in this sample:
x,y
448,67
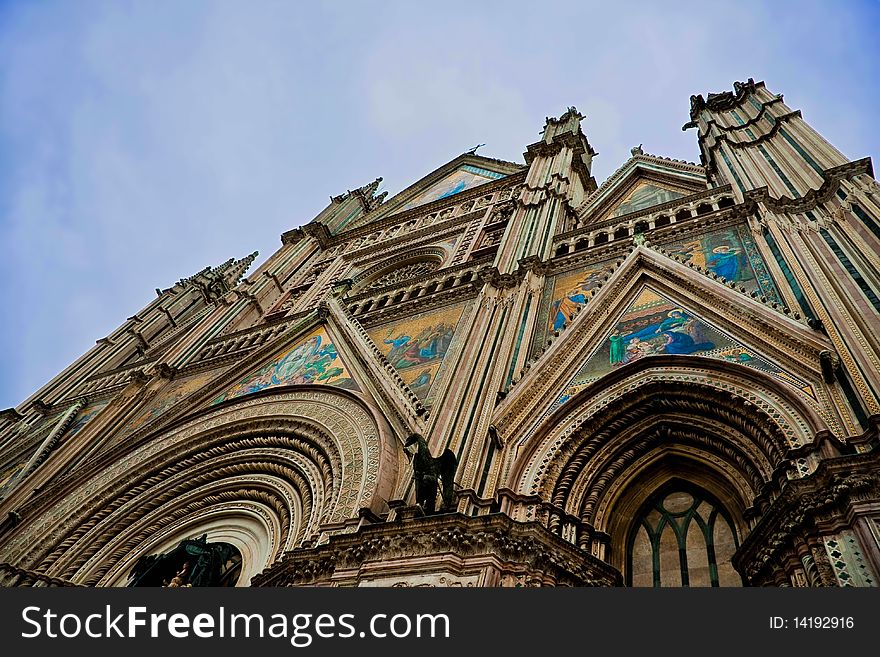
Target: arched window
x,y
682,538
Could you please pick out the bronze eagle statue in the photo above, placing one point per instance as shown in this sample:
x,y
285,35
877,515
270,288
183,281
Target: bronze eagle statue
x,y
429,471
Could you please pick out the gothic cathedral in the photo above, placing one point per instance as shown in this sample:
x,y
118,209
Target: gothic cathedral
x,y
505,375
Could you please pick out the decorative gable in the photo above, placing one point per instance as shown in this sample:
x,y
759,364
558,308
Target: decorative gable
x,y
644,181
314,359
654,325
644,195
465,177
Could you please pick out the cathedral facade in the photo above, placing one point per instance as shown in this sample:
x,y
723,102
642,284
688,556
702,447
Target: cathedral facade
x,y
668,379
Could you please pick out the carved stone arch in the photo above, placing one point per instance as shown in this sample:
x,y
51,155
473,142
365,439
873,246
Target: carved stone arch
x,y
656,417
596,460
408,265
266,473
798,422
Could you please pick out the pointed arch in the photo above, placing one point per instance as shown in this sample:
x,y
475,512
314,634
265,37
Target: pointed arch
x,y
594,462
273,471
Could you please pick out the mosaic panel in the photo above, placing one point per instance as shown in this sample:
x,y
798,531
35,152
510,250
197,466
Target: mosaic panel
x,y
848,561
465,177
654,325
644,196
84,417
314,359
167,398
731,253
569,292
416,346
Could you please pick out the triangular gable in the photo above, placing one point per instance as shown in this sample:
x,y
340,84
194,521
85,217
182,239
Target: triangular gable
x,y
465,177
742,330
312,359
417,345
654,325
465,172
644,195
642,182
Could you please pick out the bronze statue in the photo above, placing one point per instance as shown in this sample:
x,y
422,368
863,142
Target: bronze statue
x,y
194,562
427,470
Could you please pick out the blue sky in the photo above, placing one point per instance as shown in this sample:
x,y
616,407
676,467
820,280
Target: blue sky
x,y
142,141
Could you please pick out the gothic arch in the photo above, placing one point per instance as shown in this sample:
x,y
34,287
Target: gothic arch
x,y
266,473
407,265
595,461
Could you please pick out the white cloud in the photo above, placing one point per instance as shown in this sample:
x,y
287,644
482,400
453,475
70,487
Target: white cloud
x,y
140,142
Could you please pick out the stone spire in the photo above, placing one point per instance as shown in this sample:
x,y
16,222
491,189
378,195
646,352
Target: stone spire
x,y
214,282
350,206
752,139
558,181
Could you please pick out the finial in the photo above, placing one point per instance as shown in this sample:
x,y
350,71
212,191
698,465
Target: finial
x,y
473,151
637,150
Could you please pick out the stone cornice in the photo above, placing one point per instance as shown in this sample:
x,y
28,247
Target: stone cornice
x,y
140,365
292,236
320,232
814,197
419,305
494,535
777,125
829,492
751,122
424,278
10,415
491,276
660,207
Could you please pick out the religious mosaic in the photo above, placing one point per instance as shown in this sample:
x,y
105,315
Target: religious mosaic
x,y
645,195
82,418
314,359
465,177
652,326
167,398
7,476
570,292
416,346
564,294
731,253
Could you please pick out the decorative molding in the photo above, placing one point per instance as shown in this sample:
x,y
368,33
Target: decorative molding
x,y
470,543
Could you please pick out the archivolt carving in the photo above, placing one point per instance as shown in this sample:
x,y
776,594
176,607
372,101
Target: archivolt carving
x,y
578,460
294,460
652,419
409,264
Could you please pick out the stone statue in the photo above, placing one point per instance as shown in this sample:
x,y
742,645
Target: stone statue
x,y
829,362
430,471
